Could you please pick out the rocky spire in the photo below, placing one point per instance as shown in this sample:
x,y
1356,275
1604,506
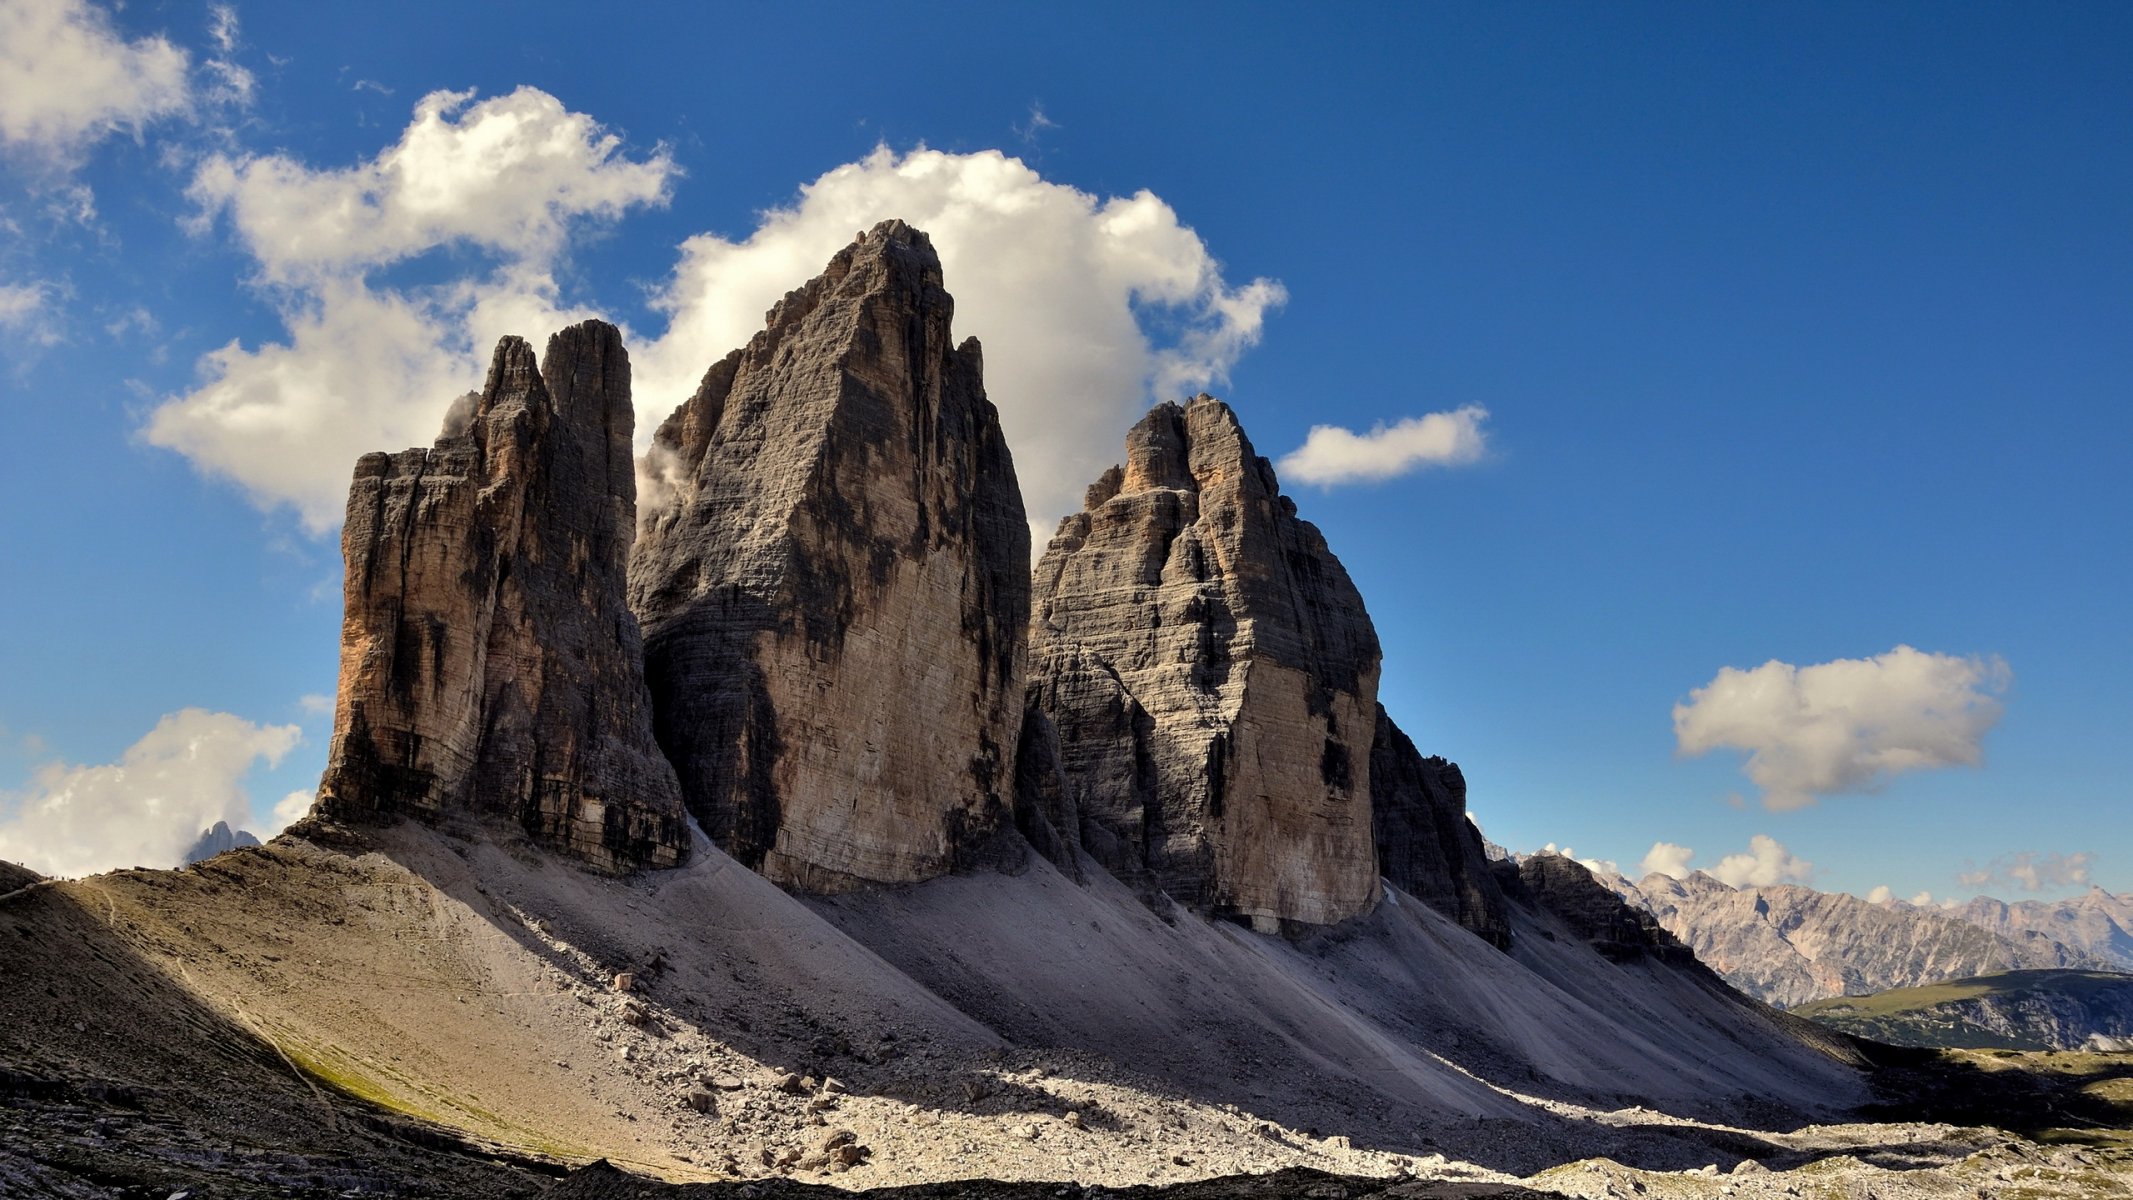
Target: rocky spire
x,y
834,584
1426,845
1212,677
489,664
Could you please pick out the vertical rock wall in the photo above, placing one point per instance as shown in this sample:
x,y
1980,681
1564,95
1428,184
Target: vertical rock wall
x,y
1212,677
1426,845
833,584
489,664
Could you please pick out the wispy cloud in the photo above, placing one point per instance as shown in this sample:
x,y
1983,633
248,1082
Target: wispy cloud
x,y
2029,871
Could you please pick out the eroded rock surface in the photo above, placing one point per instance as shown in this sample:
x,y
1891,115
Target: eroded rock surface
x,y
489,664
834,584
1619,930
1212,677
1426,845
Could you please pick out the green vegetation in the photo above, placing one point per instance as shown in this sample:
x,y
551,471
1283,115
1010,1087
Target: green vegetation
x,y
1949,1014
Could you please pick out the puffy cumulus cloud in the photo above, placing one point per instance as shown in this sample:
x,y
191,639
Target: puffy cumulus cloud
x,y
1332,455
68,79
288,811
1765,863
145,809
1086,306
1880,895
1666,858
2030,871
1602,867
368,366
1848,725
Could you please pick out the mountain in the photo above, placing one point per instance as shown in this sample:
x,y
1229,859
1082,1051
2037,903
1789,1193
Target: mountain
x,y
1212,676
489,665
2096,923
2013,1010
1788,945
1150,893
218,839
833,581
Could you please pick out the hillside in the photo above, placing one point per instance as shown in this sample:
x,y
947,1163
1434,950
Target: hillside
x,y
2014,1010
1788,945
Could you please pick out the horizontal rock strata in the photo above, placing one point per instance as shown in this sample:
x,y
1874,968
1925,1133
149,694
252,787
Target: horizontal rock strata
x,y
1212,677
489,663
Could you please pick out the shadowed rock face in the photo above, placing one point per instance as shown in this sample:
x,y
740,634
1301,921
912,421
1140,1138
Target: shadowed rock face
x,y
488,662
1213,680
1620,931
1426,845
834,584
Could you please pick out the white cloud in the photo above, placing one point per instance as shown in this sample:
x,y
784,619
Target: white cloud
x,y
228,84
1880,895
2030,871
290,810
1052,280
373,367
1332,455
1922,900
316,704
68,79
1598,866
25,311
1766,862
1666,858
145,809
1848,725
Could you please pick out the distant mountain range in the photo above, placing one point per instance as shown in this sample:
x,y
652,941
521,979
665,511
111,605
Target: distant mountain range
x,y
218,839
1789,945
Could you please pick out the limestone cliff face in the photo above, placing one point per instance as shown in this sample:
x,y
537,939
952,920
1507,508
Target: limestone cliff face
x,y
488,662
1212,677
1788,945
1619,930
834,584
1426,846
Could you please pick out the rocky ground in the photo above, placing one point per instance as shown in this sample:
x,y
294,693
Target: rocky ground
x,y
297,1020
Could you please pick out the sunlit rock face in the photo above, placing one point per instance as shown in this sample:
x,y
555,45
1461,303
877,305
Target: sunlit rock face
x,y
1212,678
489,664
833,581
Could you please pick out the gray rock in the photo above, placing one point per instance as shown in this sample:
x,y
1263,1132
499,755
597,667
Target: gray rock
x,y
1787,945
1426,845
488,662
1212,677
218,839
834,585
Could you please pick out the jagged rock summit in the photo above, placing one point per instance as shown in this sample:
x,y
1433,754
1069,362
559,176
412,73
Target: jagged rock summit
x,y
218,838
1427,847
489,664
1212,677
834,584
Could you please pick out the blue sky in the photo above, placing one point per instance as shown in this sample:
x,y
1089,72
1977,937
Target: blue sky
x,y
1802,335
